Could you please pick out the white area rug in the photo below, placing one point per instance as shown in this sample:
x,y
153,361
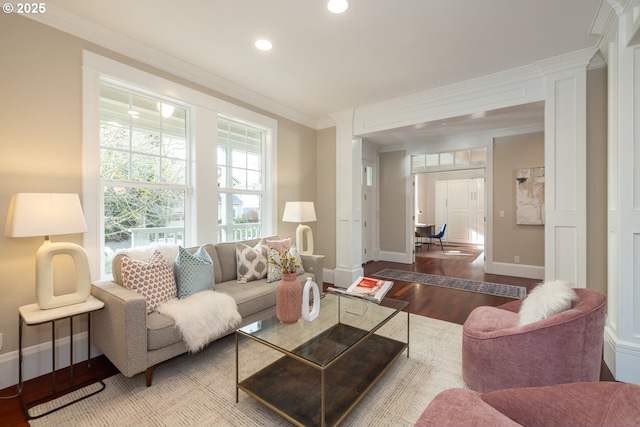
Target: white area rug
x,y
199,389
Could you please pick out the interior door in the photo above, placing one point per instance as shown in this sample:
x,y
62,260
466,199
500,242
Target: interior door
x,y
459,197
367,211
442,190
478,220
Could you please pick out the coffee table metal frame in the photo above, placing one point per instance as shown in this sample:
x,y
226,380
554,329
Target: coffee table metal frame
x,y
290,357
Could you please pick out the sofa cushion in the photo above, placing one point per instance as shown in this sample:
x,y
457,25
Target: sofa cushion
x,y
161,331
194,272
545,300
152,279
250,297
251,262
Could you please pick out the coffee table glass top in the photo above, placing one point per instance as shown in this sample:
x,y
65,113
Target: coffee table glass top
x,y
342,322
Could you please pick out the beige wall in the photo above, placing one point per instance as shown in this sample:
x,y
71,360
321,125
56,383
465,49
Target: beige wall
x,y
510,239
41,149
597,179
393,201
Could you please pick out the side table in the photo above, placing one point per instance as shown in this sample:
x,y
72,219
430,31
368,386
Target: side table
x,y
31,315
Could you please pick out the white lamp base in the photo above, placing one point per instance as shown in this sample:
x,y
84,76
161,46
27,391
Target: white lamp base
x,y
301,231
44,274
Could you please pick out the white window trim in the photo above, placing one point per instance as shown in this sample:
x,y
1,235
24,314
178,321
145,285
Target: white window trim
x,y
204,216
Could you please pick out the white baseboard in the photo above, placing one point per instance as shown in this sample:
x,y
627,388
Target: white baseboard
x,y
400,257
328,276
516,270
621,357
36,360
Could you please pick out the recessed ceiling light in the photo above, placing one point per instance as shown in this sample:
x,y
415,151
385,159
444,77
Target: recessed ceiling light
x,y
337,6
263,44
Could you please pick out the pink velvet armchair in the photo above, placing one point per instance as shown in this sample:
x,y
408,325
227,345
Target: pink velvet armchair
x,y
497,353
590,404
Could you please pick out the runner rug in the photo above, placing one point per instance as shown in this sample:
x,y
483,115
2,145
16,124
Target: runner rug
x,y
456,253
194,390
496,289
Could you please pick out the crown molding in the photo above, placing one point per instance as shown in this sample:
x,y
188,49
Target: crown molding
x,y
104,37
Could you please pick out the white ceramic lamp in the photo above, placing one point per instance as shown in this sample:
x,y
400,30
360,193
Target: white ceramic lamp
x,y
47,214
301,212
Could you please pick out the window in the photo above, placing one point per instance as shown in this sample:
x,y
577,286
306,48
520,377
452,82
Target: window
x,y
240,180
143,169
451,160
148,149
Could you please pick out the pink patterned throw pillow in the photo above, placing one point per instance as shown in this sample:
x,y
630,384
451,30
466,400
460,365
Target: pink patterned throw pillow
x,y
152,279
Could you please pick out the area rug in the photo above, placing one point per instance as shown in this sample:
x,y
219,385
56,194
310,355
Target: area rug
x,y
456,253
199,389
496,289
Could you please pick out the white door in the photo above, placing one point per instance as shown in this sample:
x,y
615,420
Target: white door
x,y
460,204
477,223
459,209
367,211
441,206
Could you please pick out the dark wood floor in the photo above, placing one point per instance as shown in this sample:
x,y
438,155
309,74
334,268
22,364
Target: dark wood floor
x,y
432,301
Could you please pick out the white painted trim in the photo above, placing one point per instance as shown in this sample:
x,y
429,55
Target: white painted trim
x,y
205,108
37,359
90,31
626,358
328,275
516,270
395,257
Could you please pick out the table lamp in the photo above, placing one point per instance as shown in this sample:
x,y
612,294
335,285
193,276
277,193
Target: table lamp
x,y
47,214
301,212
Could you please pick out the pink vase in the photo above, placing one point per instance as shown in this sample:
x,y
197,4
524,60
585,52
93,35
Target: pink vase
x,y
289,299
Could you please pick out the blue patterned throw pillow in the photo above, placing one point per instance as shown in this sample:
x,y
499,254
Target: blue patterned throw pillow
x,y
194,272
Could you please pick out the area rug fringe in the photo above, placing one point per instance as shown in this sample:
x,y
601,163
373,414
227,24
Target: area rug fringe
x,y
496,289
199,389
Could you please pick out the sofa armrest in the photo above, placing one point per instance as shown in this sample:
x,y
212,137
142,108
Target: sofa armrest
x,y
489,322
314,264
120,329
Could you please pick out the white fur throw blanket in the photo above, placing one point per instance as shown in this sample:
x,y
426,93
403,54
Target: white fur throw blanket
x,y
202,317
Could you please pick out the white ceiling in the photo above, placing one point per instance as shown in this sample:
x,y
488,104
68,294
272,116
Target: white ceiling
x,y
323,63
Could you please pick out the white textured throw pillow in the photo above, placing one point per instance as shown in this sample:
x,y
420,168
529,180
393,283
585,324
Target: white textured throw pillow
x,y
545,300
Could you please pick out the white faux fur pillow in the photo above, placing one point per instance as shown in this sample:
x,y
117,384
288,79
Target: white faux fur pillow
x,y
545,300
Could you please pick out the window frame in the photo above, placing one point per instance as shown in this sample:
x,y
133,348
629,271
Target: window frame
x,y
202,213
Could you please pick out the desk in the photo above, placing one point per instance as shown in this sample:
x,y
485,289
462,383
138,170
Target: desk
x,y
31,315
422,231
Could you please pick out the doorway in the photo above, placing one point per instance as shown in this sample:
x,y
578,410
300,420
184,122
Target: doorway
x,y
454,198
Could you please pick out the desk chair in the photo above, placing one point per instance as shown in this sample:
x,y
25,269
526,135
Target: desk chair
x,y
437,236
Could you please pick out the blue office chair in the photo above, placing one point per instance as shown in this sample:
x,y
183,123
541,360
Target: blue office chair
x,y
437,236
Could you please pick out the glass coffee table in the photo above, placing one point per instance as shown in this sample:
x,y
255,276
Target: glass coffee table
x,y
328,365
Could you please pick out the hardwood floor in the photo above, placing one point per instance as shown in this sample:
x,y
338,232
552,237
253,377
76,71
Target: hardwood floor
x,y
432,301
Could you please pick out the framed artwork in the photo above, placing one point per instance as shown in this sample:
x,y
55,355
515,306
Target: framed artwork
x,y
530,196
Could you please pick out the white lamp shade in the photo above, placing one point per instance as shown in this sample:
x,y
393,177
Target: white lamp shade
x,y
48,214
299,212
44,214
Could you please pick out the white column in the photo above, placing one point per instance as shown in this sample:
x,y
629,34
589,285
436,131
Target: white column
x,y
622,330
348,201
566,176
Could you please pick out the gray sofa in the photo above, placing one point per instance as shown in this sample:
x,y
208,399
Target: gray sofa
x,y
135,342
